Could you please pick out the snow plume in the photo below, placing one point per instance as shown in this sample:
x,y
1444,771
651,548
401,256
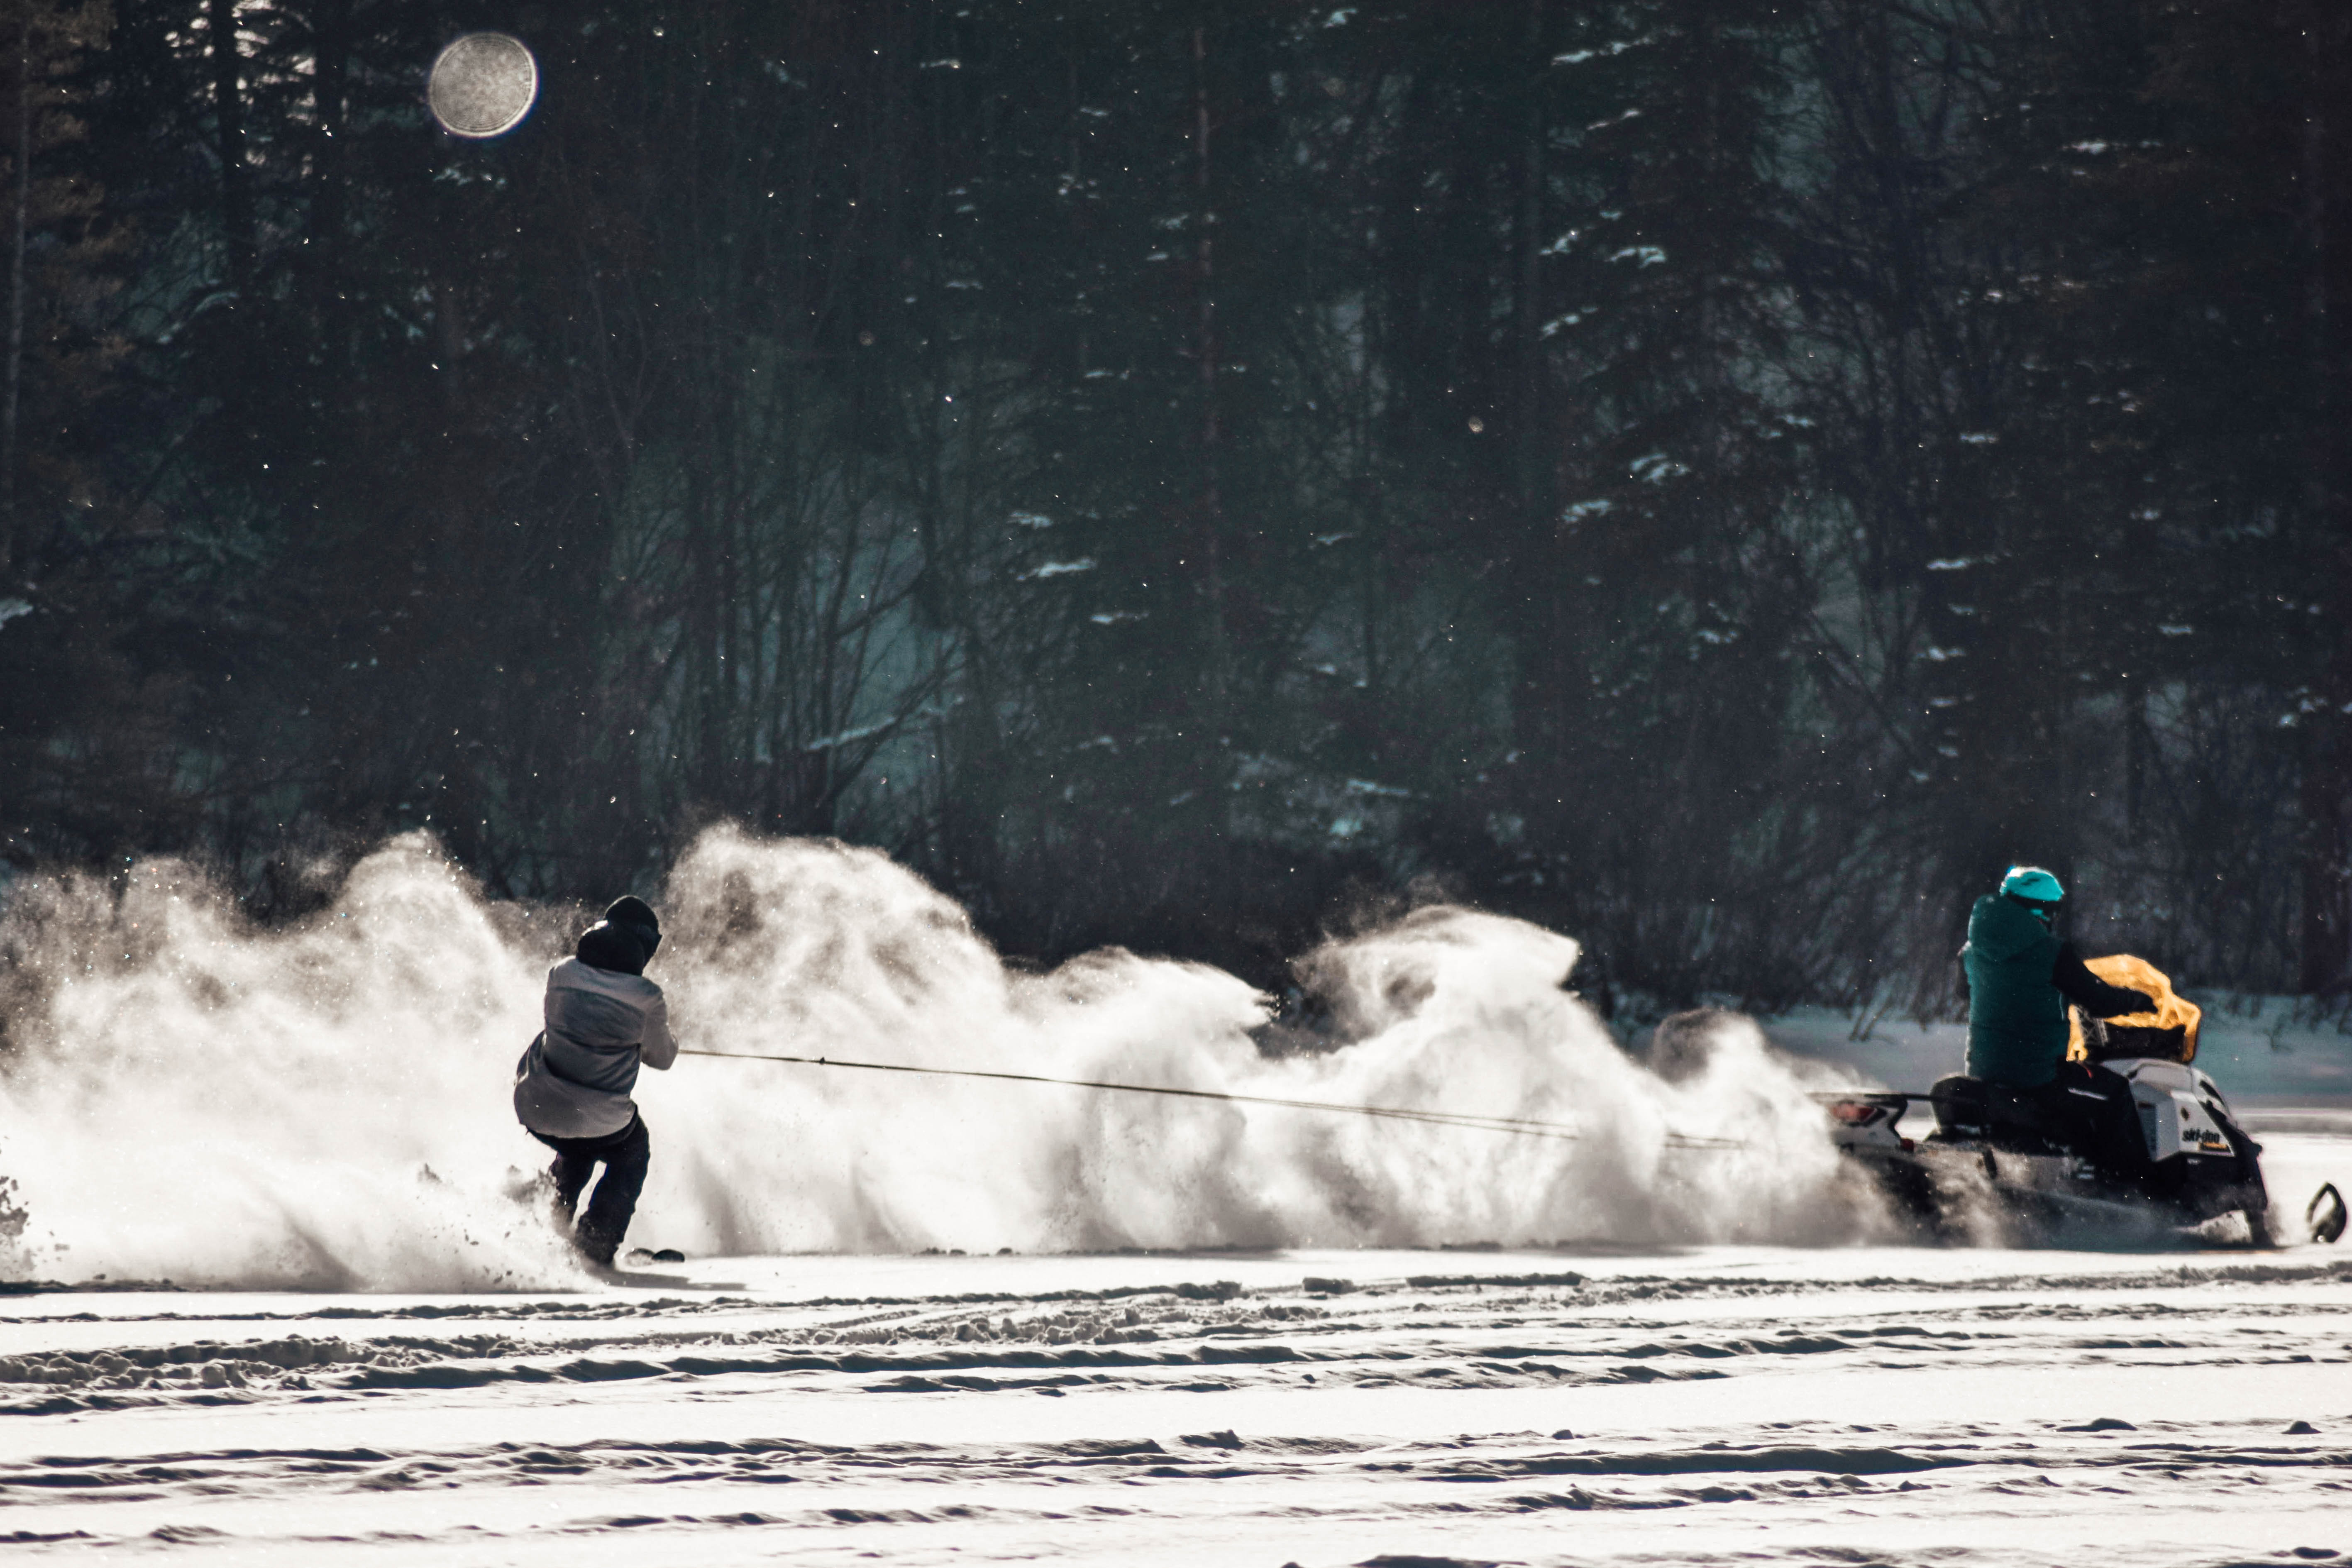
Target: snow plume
x,y
186,1097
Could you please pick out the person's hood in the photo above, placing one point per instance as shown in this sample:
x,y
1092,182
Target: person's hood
x,y
637,916
1999,928
622,949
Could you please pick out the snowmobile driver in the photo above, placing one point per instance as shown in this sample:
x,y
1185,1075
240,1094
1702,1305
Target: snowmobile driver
x,y
571,1088
2018,978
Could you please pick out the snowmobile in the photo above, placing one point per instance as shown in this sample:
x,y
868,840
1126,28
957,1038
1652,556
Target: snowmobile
x,y
1995,1169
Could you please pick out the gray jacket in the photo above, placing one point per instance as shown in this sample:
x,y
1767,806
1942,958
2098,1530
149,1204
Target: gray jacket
x,y
575,1079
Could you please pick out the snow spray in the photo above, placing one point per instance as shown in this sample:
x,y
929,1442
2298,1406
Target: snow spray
x,y
326,1106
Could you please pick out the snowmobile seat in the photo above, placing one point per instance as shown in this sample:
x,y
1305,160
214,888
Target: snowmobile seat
x,y
1972,1107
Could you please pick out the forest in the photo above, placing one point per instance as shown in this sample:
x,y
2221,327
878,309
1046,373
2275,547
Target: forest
x,y
1721,479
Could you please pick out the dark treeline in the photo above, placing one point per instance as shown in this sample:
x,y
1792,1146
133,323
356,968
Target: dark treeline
x,y
1720,479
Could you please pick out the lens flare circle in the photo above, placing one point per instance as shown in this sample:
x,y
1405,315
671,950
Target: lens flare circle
x,y
482,85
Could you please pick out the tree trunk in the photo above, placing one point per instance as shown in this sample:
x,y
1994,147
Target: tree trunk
x,y
331,35
1533,464
2327,741
228,112
21,220
1212,507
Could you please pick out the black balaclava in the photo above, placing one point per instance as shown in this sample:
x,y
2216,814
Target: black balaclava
x,y
2042,909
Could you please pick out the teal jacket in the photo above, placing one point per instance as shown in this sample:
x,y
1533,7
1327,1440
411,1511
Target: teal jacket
x,y
2017,1018
2020,979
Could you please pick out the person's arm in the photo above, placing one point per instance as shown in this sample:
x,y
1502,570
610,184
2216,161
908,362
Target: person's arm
x,y
2091,995
656,1049
1960,968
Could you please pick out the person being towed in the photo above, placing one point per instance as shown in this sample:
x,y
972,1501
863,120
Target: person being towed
x,y
571,1088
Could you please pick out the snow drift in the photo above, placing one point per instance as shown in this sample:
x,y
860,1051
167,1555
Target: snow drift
x,y
186,1097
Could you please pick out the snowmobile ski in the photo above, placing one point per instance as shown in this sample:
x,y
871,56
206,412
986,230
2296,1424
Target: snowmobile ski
x,y
2325,1218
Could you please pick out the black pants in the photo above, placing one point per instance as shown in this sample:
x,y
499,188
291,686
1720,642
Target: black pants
x,y
624,1155
2093,1109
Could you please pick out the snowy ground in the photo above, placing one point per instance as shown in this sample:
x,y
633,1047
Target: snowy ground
x,y
1763,1404
395,1358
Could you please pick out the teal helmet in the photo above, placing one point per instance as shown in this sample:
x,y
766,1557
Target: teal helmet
x,y
2031,884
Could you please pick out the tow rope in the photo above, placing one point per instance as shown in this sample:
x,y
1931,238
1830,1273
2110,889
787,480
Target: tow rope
x,y
1524,1127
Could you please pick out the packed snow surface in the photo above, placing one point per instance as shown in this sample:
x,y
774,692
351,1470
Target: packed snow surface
x,y
1757,1404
